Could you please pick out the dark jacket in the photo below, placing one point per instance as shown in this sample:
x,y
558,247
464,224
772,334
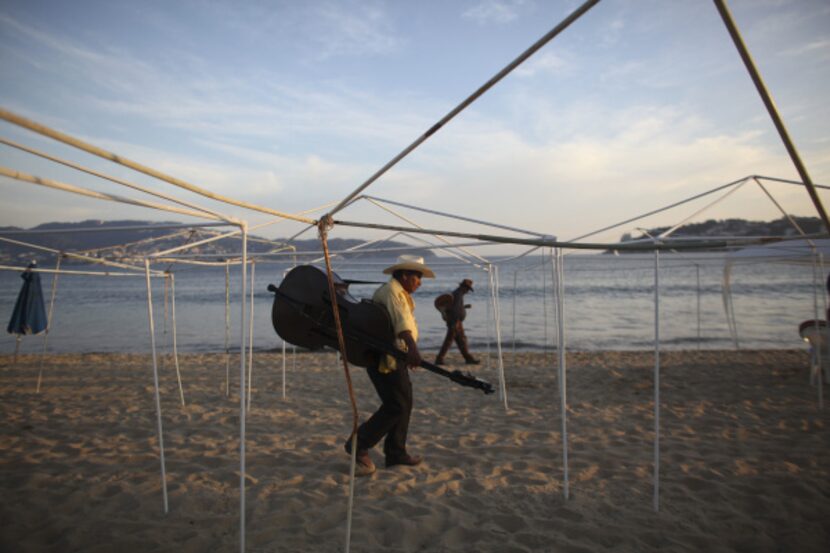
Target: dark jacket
x,y
457,311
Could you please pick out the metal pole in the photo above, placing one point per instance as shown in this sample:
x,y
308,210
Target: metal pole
x,y
283,369
545,306
242,412
576,14
559,278
251,337
824,336
227,330
489,270
820,345
156,382
497,312
656,380
48,322
175,344
771,109
697,268
515,273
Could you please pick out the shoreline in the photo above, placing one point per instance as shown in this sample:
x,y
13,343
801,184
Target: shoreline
x,y
507,352
745,456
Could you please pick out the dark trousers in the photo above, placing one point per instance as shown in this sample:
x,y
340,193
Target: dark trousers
x,y
392,417
455,331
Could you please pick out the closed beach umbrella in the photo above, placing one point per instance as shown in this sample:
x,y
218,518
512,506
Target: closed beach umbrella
x,y
29,315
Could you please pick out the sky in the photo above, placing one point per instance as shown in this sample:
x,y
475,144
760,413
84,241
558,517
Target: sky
x,y
292,105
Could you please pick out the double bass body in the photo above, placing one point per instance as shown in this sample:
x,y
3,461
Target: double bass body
x,y
302,316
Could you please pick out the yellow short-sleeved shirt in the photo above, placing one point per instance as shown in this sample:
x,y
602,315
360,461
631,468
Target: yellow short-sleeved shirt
x,y
401,308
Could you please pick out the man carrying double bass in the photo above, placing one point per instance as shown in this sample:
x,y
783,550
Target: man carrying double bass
x,y
390,376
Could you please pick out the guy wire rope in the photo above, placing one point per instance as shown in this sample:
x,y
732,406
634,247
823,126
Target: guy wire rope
x,y
323,226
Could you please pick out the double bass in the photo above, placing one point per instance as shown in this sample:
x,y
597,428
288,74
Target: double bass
x,y
302,315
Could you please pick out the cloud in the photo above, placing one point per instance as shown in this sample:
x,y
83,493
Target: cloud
x,y
494,11
644,158
562,159
544,63
353,29
237,105
819,49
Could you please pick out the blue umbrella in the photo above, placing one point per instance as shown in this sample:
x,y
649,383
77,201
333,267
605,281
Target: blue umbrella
x,y
29,315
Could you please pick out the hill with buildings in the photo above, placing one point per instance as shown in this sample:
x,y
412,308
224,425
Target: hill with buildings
x,y
722,228
128,238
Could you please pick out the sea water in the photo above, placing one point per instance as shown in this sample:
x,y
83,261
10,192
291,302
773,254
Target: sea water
x,y
609,304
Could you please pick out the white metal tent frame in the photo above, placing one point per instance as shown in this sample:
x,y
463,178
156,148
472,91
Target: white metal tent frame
x,y
118,269
121,268
191,210
656,246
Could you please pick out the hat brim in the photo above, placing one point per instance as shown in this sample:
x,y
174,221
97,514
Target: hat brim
x,y
410,266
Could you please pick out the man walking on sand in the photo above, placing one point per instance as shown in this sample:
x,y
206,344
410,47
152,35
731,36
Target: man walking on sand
x,y
390,376
454,315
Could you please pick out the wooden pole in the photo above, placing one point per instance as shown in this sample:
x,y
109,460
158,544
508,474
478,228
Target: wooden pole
x,y
771,109
94,150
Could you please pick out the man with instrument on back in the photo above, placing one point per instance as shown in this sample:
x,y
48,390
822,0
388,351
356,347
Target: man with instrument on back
x,y
390,376
454,311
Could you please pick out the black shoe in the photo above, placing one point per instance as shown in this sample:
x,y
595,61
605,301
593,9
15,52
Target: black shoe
x,y
439,361
406,460
472,361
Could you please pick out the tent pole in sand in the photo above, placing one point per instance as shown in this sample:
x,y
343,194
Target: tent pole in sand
x,y
48,321
175,345
515,281
493,271
227,330
823,375
821,346
545,299
489,319
242,414
558,289
156,381
656,380
498,335
283,369
251,336
697,272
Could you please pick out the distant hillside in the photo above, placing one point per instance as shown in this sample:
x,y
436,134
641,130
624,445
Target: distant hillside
x,y
127,232
738,227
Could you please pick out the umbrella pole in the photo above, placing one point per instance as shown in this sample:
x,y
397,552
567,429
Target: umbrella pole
x,y
17,347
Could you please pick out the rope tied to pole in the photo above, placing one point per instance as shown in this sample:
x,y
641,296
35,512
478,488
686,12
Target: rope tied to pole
x,y
325,224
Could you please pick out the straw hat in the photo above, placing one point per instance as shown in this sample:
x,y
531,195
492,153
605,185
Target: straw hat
x,y
410,263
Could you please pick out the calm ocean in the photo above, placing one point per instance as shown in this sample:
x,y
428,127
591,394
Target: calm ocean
x,y
609,305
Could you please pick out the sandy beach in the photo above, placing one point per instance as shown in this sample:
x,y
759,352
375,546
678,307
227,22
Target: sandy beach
x,y
745,457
